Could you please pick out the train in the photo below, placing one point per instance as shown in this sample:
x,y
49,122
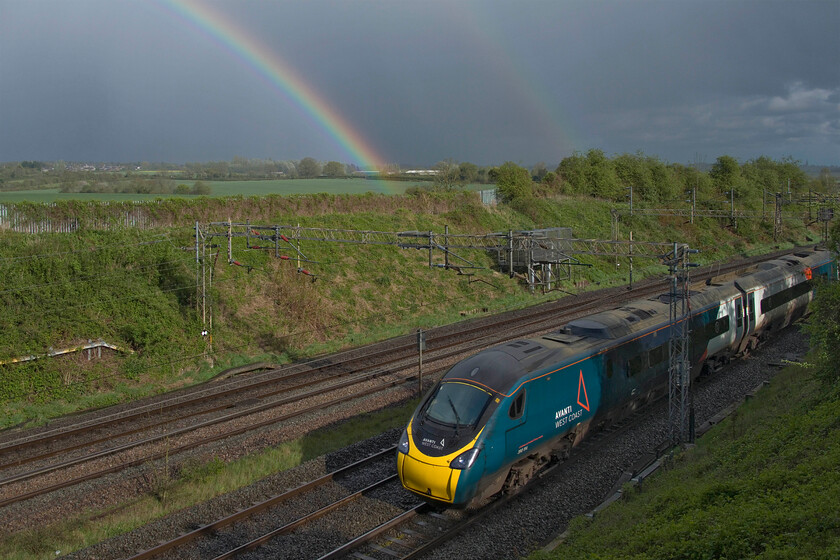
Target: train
x,y
496,418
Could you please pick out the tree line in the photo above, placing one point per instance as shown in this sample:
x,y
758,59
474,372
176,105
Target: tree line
x,y
134,185
657,183
592,173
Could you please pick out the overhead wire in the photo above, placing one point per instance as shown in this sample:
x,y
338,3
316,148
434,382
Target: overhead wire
x,y
233,348
297,333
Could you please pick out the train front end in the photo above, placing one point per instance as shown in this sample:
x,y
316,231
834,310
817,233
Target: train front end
x,y
440,454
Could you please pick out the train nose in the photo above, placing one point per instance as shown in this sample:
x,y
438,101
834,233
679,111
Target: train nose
x,y
435,481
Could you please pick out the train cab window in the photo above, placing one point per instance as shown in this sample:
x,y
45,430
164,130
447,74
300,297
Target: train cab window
x,y
609,368
517,407
457,404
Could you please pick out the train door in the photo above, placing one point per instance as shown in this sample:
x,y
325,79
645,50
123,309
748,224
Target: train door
x,y
516,435
746,320
751,312
615,380
740,326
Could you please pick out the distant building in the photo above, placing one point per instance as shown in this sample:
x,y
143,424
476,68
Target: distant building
x,y
421,172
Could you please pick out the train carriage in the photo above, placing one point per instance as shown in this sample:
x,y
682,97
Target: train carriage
x,y
496,418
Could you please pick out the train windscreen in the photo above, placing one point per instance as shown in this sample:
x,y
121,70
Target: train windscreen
x,y
457,404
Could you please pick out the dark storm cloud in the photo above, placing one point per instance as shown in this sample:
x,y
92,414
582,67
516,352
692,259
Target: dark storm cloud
x,y
484,81
762,78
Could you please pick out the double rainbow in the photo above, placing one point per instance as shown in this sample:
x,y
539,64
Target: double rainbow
x,y
280,74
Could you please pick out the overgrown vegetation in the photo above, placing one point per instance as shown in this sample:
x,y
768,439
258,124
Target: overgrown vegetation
x,y
763,484
129,288
139,289
135,185
657,183
824,329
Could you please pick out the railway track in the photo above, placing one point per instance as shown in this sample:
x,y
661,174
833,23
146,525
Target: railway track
x,y
444,351
39,463
426,529
328,495
415,531
569,490
391,528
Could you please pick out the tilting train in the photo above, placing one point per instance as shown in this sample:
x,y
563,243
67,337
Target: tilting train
x,y
496,418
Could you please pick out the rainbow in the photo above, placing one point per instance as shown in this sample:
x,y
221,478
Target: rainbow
x,y
279,74
487,36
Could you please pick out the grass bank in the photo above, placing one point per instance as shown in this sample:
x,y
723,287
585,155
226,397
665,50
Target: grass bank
x,y
349,185
141,289
763,484
138,290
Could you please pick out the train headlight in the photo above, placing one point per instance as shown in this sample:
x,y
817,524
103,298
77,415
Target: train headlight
x,y
403,445
465,460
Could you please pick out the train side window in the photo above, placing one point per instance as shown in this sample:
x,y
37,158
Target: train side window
x,y
716,328
636,365
658,355
517,407
609,368
784,296
739,313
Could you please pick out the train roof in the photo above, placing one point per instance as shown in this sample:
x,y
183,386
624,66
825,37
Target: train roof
x,y
713,295
619,322
783,266
501,367
495,368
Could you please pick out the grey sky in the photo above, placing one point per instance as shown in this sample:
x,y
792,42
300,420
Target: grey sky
x,y
422,81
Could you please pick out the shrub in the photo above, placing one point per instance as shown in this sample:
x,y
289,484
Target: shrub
x,y
513,182
824,330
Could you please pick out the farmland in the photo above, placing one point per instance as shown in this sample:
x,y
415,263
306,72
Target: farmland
x,y
228,188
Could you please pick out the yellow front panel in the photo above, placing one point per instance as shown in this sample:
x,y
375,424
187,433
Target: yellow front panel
x,y
436,481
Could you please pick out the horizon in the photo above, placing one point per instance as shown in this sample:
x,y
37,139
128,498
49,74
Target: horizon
x,y
403,167
368,83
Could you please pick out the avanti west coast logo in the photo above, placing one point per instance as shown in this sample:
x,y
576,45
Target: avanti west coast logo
x,y
429,442
566,415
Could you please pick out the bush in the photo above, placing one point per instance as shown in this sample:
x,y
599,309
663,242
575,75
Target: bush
x,y
824,330
200,188
513,182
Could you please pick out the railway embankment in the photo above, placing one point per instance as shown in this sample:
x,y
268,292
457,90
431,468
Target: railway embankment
x,y
139,289
178,323
763,483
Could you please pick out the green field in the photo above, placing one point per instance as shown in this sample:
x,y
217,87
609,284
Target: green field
x,y
306,186
231,188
